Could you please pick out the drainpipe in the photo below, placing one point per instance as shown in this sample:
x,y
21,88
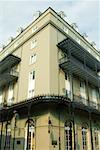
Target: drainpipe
x,y
91,130
29,107
73,116
16,117
59,133
6,130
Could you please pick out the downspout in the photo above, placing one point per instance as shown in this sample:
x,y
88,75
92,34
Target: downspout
x,y
6,130
91,130
73,116
59,133
29,107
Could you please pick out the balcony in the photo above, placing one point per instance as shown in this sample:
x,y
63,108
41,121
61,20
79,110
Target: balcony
x,y
72,48
8,62
8,77
84,102
75,67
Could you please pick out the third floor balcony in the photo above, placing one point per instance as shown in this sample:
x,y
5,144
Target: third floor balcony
x,y
8,62
75,67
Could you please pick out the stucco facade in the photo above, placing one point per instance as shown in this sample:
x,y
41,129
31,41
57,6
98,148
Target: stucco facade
x,y
49,88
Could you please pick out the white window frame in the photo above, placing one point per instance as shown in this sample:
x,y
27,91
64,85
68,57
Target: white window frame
x,y
33,58
83,91
94,98
84,139
33,43
10,94
67,86
32,130
31,84
67,137
8,138
96,137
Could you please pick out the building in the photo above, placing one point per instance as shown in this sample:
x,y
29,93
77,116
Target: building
x,y
49,88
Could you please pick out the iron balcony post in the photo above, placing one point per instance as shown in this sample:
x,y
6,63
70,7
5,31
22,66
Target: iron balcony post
x,y
91,131
16,115
29,107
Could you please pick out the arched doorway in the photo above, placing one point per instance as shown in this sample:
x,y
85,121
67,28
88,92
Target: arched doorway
x,y
29,135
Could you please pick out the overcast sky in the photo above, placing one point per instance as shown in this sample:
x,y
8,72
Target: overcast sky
x,y
16,13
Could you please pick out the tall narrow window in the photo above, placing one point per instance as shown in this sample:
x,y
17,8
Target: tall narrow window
x,y
31,136
31,86
67,86
84,138
68,136
96,140
10,94
33,43
32,58
8,138
83,92
94,98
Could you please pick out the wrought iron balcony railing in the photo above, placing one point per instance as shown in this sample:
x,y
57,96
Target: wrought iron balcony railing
x,y
8,62
8,77
75,67
72,48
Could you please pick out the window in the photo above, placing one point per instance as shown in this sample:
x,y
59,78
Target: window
x,y
33,43
68,136
96,140
31,86
31,136
0,97
8,139
94,98
83,92
67,86
10,94
32,58
84,138
34,29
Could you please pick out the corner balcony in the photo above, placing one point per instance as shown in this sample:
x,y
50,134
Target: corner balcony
x,y
75,67
8,62
7,78
70,47
85,103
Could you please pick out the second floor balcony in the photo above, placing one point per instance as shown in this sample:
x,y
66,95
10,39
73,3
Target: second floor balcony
x,y
7,78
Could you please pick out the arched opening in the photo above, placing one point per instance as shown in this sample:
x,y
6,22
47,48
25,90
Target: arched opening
x,y
68,136
8,136
29,135
84,137
96,139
